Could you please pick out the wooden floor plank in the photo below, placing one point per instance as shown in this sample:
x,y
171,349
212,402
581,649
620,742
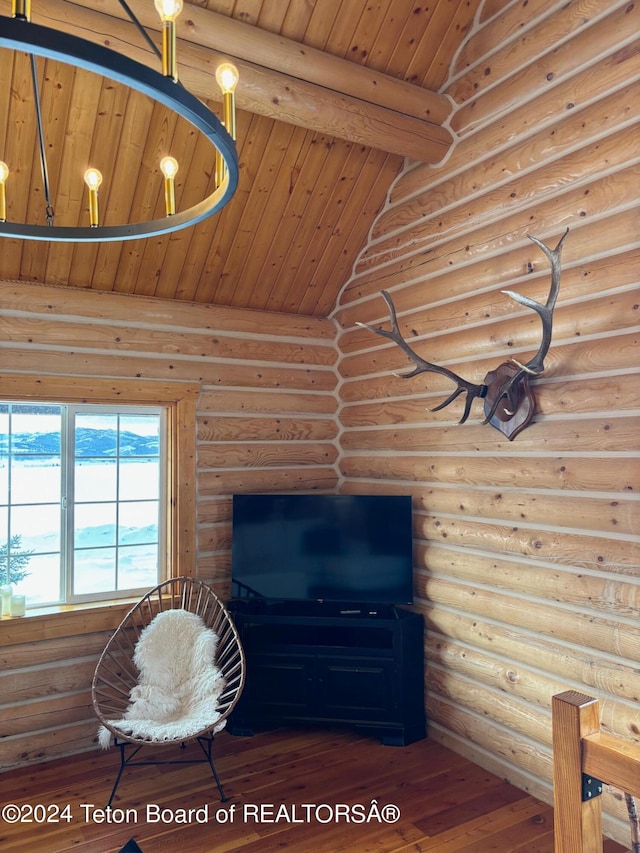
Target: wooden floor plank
x,y
294,790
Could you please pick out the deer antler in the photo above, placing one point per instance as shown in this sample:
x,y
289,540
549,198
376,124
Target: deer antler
x,y
471,389
535,365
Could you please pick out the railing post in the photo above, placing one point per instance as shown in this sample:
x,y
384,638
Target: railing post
x,y
577,824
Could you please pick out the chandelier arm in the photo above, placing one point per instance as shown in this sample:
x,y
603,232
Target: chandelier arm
x,y
43,153
132,16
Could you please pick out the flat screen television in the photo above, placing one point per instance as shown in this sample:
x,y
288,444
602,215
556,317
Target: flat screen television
x,y
346,549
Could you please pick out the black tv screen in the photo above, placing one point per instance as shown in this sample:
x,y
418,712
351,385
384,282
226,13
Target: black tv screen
x,y
313,547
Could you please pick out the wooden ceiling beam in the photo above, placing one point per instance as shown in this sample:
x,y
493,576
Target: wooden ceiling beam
x,y
266,91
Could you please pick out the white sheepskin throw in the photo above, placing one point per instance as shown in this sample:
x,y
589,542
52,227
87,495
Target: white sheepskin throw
x,y
179,684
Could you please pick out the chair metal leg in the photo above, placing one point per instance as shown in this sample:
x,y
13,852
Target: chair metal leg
x,y
120,771
207,752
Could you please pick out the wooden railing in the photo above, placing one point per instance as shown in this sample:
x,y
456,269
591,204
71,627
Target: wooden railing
x,y
583,757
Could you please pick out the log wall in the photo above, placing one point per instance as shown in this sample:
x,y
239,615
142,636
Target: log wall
x,y
264,420
527,552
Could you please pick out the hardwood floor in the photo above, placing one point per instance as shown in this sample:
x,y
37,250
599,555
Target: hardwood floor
x,y
294,790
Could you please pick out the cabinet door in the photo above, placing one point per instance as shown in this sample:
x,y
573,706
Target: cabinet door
x,y
280,684
356,689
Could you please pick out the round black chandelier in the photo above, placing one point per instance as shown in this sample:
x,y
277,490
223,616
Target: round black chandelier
x,y
18,33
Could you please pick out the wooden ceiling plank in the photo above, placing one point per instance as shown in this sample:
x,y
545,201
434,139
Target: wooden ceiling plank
x,y
70,200
296,21
271,16
54,103
336,181
10,250
334,267
107,141
187,191
206,262
366,32
344,225
440,41
262,209
145,191
179,141
136,118
292,220
385,49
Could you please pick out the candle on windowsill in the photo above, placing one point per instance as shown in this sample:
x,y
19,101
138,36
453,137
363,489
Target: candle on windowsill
x,y
18,605
5,594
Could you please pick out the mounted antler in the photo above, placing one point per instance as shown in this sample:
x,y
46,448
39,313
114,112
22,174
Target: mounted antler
x,y
472,391
509,404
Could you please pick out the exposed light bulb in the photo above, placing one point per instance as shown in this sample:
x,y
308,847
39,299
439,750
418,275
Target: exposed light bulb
x,y
227,77
169,167
93,178
4,171
168,9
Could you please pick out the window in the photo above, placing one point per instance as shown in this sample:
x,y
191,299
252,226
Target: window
x,y
82,500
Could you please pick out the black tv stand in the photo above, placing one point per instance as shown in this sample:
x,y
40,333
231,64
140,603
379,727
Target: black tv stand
x,y
357,665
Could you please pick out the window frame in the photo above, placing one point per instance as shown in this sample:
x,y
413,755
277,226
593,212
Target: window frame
x,y
180,399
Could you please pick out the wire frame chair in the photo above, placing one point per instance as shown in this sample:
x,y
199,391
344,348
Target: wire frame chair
x,y
116,674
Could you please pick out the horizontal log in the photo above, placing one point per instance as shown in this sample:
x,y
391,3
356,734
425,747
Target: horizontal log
x,y
575,665
613,394
513,335
513,75
529,755
51,651
573,588
49,625
230,428
507,211
47,713
85,336
563,360
29,363
307,479
610,554
549,435
42,301
298,102
468,296
49,744
547,107
587,630
579,40
583,473
35,682
507,24
499,261
613,514
488,701
265,455
212,510
265,402
215,538
481,184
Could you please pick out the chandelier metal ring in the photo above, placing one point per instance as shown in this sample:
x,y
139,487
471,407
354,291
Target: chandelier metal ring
x,y
43,41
